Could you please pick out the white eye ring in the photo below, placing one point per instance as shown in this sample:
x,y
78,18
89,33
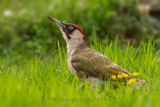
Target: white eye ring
x,y
71,27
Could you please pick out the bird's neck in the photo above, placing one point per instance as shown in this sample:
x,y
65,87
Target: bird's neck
x,y
75,48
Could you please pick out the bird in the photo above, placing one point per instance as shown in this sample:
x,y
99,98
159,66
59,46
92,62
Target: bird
x,y
88,64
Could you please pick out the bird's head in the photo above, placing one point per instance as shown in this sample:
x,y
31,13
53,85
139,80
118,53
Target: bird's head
x,y
72,33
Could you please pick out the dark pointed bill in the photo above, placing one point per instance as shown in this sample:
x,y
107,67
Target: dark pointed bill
x,y
57,22
61,26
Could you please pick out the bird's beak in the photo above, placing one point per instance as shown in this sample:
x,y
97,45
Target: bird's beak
x,y
57,22
61,26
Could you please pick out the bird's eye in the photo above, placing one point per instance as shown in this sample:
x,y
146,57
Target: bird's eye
x,y
70,27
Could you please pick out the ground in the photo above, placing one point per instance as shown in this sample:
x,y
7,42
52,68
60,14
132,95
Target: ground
x,y
47,81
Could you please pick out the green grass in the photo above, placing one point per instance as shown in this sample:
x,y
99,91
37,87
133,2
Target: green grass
x,y
30,80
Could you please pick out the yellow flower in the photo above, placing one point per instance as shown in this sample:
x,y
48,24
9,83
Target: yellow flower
x,y
120,76
126,75
132,81
113,77
136,74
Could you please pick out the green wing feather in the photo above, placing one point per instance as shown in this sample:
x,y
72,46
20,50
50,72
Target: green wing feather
x,y
96,64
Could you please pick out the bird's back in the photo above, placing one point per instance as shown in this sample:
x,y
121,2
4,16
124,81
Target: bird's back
x,y
92,63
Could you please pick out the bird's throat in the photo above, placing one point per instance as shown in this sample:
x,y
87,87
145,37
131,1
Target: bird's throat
x,y
75,47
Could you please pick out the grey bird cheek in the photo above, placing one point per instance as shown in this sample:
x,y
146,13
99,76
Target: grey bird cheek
x,y
74,37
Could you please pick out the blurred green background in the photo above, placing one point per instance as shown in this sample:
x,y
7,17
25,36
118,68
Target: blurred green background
x,y
31,59
25,28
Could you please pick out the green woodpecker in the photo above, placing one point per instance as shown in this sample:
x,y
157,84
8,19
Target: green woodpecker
x,y
88,63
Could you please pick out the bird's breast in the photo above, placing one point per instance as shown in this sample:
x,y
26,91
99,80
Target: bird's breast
x,y
70,55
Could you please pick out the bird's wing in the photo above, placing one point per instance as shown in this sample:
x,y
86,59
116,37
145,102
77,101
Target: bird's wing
x,y
96,64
